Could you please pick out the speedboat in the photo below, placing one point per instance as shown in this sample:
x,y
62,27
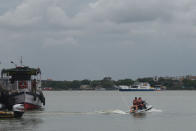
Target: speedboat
x,y
17,112
148,107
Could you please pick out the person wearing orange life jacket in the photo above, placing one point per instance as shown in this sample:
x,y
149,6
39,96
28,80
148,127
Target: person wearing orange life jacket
x,y
141,104
135,104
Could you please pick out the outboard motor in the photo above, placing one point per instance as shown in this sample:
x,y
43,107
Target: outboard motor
x,y
18,110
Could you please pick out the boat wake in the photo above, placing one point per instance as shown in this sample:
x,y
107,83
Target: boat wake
x,y
155,110
103,112
117,111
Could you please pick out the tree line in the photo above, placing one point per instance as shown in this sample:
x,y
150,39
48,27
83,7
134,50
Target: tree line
x,y
108,84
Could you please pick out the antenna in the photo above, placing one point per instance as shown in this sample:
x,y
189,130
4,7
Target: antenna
x,y
21,61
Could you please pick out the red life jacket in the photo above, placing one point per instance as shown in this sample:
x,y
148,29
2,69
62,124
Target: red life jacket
x,y
135,102
139,102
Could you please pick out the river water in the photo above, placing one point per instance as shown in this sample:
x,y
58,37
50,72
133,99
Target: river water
x,y
108,111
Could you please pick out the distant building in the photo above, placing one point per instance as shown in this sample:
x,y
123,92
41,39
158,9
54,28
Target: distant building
x,y
107,78
160,87
99,87
123,87
85,87
189,77
178,78
156,78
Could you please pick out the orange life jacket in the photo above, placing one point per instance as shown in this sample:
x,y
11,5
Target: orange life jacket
x,y
135,102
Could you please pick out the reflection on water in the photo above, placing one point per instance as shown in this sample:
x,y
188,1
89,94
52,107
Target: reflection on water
x,y
23,124
139,115
31,122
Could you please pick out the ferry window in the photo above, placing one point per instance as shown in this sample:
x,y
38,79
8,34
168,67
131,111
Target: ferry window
x,y
21,77
12,81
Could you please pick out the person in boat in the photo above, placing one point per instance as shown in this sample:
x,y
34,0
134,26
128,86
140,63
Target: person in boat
x,y
141,104
6,100
135,104
33,86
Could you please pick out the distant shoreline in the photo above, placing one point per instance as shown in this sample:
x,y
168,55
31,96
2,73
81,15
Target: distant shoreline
x,y
168,83
118,90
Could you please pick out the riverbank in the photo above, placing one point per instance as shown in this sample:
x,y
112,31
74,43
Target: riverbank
x,y
108,84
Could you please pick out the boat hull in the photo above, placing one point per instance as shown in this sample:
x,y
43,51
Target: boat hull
x,y
29,106
149,107
6,114
29,99
136,89
10,114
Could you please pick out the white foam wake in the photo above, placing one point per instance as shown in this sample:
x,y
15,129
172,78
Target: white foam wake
x,y
155,110
117,111
104,112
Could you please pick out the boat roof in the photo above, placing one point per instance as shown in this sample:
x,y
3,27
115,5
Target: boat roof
x,y
23,70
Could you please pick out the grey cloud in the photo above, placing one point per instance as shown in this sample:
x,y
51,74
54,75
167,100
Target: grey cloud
x,y
72,39
130,11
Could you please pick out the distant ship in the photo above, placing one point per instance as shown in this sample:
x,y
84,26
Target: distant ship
x,y
139,86
23,86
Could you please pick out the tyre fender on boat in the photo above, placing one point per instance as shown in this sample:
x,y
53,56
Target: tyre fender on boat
x,y
22,84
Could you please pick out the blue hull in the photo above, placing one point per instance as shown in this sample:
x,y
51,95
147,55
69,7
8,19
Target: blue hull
x,y
136,89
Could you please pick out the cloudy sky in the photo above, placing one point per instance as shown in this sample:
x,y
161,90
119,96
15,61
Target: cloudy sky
x,y
90,39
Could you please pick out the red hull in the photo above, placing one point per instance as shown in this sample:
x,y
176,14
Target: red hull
x,y
28,106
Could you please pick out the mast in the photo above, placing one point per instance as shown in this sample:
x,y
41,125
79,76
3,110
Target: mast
x,y
21,61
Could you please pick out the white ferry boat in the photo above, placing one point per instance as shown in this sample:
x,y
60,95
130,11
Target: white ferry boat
x,y
23,85
139,86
